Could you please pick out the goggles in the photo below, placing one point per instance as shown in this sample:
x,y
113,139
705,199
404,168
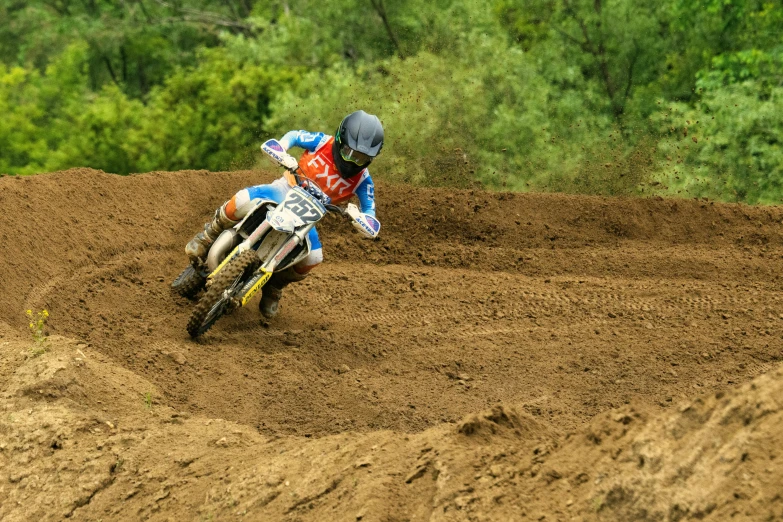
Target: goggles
x,y
354,156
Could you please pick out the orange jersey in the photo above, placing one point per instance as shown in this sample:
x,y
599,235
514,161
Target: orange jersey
x,y
319,166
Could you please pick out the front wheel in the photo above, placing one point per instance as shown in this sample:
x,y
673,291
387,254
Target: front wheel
x,y
219,297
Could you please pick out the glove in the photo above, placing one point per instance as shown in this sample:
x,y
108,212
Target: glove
x,y
289,162
364,223
278,154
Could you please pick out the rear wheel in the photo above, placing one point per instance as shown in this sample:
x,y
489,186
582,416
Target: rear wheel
x,y
219,297
189,282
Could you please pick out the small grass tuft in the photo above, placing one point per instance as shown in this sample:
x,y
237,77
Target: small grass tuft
x,y
117,466
37,326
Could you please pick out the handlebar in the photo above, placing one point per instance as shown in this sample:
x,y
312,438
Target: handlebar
x,y
336,209
295,173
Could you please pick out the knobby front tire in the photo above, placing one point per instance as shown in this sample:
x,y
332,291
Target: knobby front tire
x,y
214,304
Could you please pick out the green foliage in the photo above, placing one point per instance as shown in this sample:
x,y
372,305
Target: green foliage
x,y
456,120
30,102
764,67
732,149
134,45
728,144
37,327
589,96
147,400
206,116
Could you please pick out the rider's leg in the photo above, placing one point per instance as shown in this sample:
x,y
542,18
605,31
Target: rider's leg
x,y
230,213
198,247
273,289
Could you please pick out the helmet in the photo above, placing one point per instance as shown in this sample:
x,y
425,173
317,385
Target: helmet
x,y
358,140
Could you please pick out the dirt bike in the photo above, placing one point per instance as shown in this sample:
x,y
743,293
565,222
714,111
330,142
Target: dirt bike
x,y
271,237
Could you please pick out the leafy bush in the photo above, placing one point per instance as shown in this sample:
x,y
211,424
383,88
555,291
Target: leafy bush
x,y
37,330
728,145
205,117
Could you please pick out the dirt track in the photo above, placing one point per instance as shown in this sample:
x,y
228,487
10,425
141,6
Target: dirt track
x,y
563,306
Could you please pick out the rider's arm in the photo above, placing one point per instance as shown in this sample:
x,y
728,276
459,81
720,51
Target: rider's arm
x,y
364,220
309,141
365,191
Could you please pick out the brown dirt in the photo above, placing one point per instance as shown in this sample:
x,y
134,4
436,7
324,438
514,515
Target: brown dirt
x,y
578,324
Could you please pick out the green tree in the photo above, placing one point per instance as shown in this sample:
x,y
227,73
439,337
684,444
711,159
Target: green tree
x,y
133,45
728,145
598,96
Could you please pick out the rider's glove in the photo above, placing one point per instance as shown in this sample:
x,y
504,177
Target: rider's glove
x,y
364,223
277,153
289,162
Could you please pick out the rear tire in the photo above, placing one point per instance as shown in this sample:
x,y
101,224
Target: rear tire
x,y
215,303
189,282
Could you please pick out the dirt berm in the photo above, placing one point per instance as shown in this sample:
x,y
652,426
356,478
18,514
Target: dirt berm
x,y
624,353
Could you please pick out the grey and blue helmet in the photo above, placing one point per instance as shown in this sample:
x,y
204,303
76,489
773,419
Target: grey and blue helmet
x,y
358,140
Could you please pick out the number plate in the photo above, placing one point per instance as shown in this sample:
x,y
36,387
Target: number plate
x,y
303,205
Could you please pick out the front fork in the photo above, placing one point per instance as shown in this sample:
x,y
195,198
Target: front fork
x,y
265,271
297,238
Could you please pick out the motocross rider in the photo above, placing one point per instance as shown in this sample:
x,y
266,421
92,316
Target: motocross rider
x,y
338,164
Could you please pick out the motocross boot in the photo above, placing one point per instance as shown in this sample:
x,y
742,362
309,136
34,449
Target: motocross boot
x,y
199,246
273,291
